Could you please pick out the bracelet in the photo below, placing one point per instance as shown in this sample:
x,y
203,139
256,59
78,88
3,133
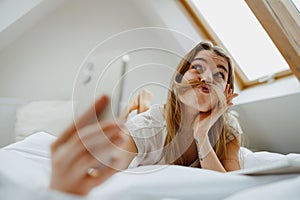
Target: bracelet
x,y
199,154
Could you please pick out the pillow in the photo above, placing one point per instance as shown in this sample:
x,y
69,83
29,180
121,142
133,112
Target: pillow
x,y
28,159
52,117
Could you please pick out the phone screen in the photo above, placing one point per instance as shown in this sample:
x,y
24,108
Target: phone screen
x,y
95,79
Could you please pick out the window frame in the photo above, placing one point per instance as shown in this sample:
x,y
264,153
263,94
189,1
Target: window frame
x,y
265,17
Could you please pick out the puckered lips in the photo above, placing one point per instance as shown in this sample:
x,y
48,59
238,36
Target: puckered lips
x,y
205,88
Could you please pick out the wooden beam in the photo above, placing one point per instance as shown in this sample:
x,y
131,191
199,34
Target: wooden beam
x,y
281,21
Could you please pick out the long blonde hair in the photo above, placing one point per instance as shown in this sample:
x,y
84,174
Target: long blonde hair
x,y
219,131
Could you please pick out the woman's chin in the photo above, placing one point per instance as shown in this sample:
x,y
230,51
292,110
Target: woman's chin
x,y
204,110
204,107
199,105
199,108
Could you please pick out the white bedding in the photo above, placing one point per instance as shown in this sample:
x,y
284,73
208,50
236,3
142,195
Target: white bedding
x,y
27,163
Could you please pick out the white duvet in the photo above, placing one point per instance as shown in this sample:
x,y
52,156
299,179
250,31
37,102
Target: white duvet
x,y
25,172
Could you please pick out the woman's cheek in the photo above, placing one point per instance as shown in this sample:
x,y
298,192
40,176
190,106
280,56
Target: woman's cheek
x,y
186,77
187,97
197,101
222,86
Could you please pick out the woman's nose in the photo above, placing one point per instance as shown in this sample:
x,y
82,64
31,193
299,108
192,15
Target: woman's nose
x,y
206,76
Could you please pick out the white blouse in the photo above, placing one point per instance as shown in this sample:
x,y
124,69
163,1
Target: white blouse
x,y
149,132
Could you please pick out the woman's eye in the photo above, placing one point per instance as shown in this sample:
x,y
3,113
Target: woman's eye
x,y
220,75
197,67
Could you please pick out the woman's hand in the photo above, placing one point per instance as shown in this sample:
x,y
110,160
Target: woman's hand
x,y
205,120
83,156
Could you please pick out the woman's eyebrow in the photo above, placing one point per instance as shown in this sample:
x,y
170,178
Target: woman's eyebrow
x,y
200,59
219,66
222,67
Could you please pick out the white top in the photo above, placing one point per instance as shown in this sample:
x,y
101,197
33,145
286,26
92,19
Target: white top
x,y
149,132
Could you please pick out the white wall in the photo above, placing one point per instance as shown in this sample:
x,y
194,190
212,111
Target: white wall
x,y
271,124
280,88
269,115
41,53
12,10
43,62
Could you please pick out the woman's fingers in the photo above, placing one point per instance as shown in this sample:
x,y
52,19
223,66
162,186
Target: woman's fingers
x,y
229,95
77,179
86,146
232,96
93,139
104,152
86,164
74,164
91,114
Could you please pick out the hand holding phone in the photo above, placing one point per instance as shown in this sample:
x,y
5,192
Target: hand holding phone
x,y
82,147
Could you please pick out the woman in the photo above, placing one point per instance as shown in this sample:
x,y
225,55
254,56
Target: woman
x,y
194,128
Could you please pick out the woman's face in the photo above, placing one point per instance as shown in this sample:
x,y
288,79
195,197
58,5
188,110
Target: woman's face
x,y
211,68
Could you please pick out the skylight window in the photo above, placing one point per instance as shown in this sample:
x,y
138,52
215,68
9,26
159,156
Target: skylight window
x,y
242,35
296,4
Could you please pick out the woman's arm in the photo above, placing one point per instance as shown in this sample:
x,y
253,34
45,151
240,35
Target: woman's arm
x,y
209,159
128,151
202,124
207,156
232,161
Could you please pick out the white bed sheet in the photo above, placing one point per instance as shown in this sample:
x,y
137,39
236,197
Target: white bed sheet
x,y
27,163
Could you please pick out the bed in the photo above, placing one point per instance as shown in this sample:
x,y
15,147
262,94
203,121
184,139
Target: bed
x,y
28,161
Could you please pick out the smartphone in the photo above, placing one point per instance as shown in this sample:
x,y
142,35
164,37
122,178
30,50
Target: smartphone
x,y
94,80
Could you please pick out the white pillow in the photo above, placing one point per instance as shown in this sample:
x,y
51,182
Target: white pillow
x,y
50,116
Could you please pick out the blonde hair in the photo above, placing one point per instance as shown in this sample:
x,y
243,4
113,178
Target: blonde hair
x,y
218,132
